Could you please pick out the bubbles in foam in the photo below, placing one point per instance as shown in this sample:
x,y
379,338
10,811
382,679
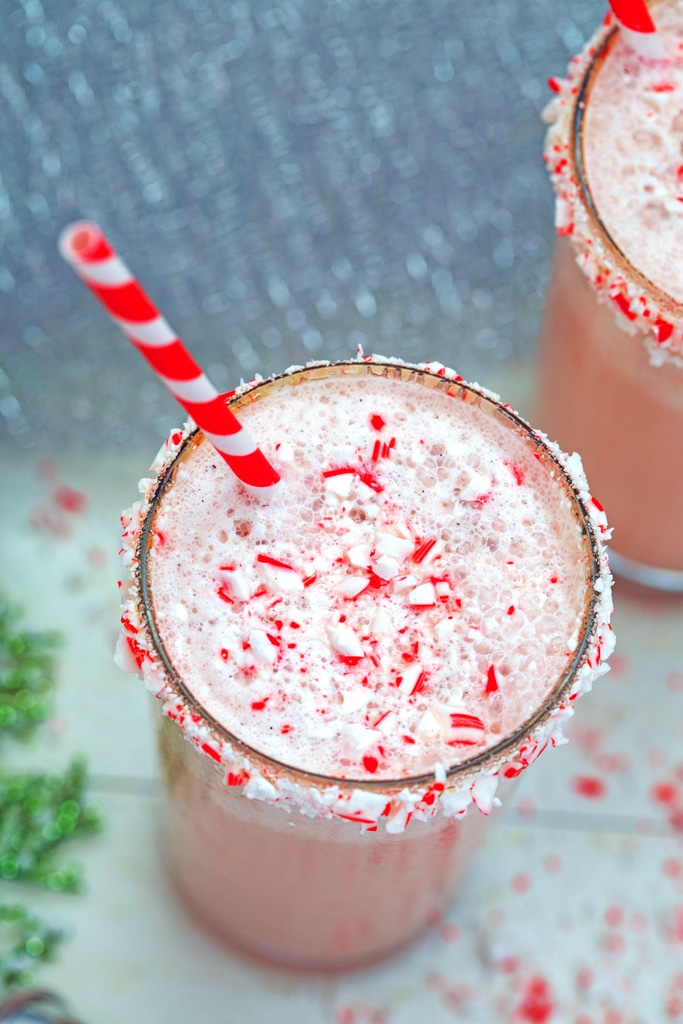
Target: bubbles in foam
x,y
331,628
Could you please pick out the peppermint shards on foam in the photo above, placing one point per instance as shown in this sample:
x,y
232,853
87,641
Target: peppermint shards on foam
x,y
411,620
632,132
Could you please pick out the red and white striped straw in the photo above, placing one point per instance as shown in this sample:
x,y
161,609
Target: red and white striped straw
x,y
94,259
638,29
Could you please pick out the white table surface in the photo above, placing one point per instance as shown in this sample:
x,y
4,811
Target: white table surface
x,y
572,914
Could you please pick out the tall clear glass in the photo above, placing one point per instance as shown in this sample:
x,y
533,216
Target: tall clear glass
x,y
319,891
606,391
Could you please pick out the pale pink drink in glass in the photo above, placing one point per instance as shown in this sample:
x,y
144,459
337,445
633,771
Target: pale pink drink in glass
x,y
361,659
611,356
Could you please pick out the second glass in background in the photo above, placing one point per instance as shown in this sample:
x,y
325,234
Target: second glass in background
x,y
611,370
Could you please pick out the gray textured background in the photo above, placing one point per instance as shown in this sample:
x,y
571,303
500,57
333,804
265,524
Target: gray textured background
x,y
286,178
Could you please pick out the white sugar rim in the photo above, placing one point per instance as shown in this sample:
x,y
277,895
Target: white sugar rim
x,y
448,791
635,307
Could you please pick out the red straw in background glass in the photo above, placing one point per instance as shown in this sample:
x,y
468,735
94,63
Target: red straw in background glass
x,y
637,28
85,247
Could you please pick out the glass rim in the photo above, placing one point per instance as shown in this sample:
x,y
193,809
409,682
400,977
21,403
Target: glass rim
x,y
668,304
471,393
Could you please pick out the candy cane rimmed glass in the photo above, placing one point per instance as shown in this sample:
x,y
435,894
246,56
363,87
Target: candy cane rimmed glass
x,y
322,894
659,298
611,360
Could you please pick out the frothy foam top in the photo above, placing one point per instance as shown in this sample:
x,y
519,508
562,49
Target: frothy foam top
x,y
633,151
413,596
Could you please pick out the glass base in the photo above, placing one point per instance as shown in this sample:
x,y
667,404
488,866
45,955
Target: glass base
x,y
670,580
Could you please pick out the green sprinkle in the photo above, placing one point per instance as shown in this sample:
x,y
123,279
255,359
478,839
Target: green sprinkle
x,y
26,676
12,915
25,700
38,812
16,646
34,946
9,868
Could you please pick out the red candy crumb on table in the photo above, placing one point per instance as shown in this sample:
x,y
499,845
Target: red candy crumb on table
x,y
588,786
665,793
672,868
69,499
520,883
537,1005
614,917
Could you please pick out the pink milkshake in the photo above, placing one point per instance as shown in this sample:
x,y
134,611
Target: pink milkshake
x,y
611,357
361,660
